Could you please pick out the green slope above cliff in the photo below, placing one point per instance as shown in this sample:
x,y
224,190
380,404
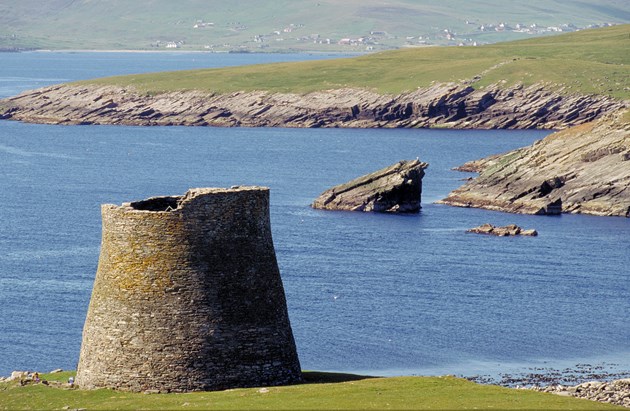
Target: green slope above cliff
x,y
585,62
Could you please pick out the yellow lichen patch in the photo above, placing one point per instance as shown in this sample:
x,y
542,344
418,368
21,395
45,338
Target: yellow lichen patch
x,y
141,265
145,274
579,129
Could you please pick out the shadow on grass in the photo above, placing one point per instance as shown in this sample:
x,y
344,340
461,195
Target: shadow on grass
x,y
308,377
318,377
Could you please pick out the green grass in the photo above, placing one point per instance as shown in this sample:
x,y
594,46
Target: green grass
x,y
320,391
586,62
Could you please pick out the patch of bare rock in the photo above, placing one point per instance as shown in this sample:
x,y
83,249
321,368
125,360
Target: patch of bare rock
x,y
505,231
33,377
585,169
393,189
613,392
452,105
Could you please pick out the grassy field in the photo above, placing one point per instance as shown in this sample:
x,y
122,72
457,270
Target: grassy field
x,y
320,391
120,24
588,62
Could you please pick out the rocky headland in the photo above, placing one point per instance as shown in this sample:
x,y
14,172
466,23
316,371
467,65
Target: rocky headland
x,y
393,189
585,169
452,105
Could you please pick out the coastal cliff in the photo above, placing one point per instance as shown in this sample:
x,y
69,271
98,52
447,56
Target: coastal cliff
x,y
451,105
585,169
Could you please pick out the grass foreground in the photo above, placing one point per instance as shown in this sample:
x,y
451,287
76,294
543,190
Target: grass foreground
x,y
319,391
585,62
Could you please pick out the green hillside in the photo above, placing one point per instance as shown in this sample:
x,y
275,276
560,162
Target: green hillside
x,y
290,25
586,62
322,391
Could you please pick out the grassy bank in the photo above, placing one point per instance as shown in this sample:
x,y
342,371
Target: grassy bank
x,y
585,62
320,391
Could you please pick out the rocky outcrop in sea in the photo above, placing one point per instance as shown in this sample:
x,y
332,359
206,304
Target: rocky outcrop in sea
x,y
585,169
504,231
453,105
393,189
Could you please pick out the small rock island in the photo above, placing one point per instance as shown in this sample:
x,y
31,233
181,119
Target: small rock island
x,y
393,189
505,231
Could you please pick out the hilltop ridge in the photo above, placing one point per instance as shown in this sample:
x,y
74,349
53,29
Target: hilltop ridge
x,y
325,25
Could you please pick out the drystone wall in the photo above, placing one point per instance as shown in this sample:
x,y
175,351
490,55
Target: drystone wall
x,y
188,296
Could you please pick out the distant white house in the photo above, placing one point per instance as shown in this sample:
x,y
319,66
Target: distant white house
x,y
201,24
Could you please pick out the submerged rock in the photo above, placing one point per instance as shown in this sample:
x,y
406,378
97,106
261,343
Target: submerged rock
x,y
505,231
394,189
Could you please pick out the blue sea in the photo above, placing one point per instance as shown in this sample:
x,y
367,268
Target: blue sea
x,y
367,293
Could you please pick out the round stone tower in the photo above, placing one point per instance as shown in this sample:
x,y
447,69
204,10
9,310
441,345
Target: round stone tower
x,y
188,297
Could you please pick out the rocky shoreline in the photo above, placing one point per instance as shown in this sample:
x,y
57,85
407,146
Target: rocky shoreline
x,y
451,105
585,169
614,392
595,382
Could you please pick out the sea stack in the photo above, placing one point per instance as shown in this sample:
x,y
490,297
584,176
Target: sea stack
x,y
188,297
393,189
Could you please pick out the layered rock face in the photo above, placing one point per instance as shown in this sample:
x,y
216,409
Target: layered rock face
x,y
585,169
394,189
451,105
188,296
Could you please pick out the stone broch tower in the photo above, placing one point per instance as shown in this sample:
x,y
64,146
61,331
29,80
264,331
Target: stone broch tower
x,y
188,296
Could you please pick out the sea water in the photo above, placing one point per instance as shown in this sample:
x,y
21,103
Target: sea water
x,y
368,293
